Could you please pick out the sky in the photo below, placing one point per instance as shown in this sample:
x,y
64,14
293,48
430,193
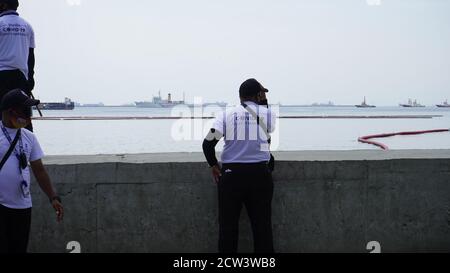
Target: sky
x,y
303,51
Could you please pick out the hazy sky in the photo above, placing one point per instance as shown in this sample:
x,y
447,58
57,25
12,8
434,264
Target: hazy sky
x,y
306,51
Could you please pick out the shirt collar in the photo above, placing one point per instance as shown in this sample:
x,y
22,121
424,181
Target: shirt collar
x,y
250,103
9,130
9,12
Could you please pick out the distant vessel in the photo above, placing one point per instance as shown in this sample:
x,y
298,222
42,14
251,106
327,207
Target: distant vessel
x,y
68,104
329,104
158,102
412,104
444,104
92,105
314,105
220,104
365,105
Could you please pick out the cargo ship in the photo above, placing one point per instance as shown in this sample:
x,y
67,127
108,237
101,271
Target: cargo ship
x,y
365,105
444,105
68,104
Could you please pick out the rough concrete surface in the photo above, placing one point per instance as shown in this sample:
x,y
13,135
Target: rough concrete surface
x,y
324,201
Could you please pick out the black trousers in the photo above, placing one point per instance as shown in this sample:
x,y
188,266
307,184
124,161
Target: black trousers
x,y
250,185
14,229
10,80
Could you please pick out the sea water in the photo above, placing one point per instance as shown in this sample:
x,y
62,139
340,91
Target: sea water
x,y
88,137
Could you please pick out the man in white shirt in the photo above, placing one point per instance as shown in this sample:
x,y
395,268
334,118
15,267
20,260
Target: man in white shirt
x,y
244,177
17,45
19,149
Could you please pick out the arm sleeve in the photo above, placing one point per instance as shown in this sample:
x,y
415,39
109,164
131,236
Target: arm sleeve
x,y
219,123
32,39
36,150
211,140
272,118
31,63
209,149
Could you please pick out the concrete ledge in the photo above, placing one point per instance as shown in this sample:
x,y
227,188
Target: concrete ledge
x,y
286,156
323,202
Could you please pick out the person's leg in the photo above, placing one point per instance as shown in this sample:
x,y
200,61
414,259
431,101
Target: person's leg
x,y
3,229
259,208
22,83
4,86
13,79
10,80
230,205
19,230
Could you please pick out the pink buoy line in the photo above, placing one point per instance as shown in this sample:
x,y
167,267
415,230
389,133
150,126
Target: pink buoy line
x,y
367,139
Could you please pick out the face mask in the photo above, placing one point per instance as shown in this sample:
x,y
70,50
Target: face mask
x,y
19,123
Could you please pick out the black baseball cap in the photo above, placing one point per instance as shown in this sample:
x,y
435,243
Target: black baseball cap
x,y
17,98
9,1
251,87
14,3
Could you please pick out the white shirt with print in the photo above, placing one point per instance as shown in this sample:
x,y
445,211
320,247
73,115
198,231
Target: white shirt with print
x,y
16,39
11,195
245,141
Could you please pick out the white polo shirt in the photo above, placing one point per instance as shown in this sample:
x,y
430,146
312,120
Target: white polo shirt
x,y
16,39
11,195
245,140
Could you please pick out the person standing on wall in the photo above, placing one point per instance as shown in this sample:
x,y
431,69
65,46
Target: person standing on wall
x,y
16,51
244,177
20,149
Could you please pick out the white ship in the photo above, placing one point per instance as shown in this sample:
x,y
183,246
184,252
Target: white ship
x,y
412,104
158,102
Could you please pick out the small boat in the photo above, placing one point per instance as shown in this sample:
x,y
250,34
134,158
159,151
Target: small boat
x,y
411,104
365,105
329,104
444,105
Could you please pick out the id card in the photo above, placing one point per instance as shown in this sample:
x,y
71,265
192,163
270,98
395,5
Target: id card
x,y
25,189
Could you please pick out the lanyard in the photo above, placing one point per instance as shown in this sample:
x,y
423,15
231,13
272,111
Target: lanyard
x,y
259,121
15,151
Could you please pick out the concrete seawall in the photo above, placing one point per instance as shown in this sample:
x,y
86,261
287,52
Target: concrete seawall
x,y
323,202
